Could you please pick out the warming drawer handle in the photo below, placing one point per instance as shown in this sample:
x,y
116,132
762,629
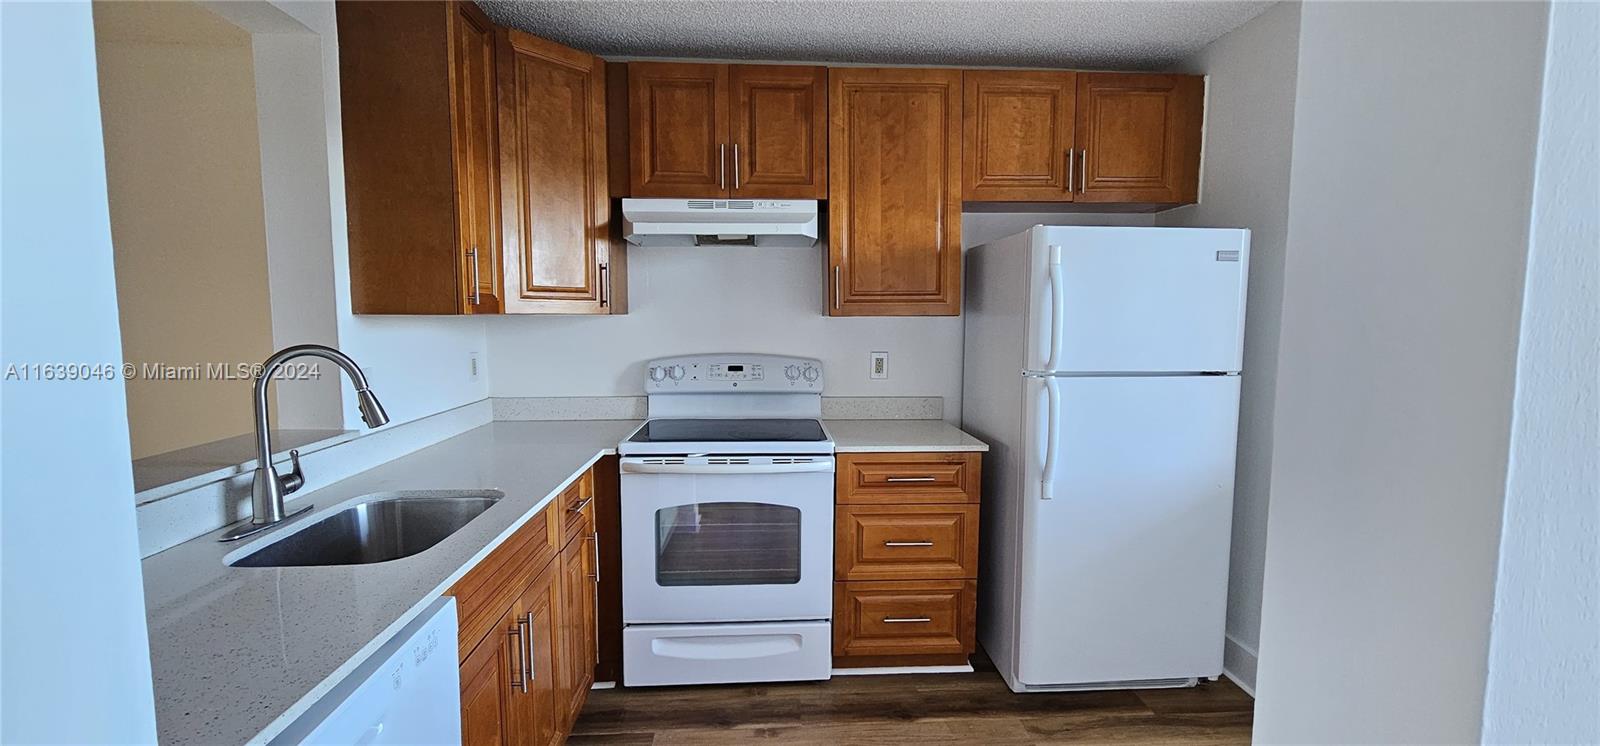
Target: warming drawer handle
x,y
825,466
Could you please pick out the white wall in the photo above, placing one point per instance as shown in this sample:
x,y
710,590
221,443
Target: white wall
x,y
1249,133
1544,659
74,657
735,299
1414,138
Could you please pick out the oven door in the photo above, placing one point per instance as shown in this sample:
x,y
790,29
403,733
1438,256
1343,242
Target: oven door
x,y
727,539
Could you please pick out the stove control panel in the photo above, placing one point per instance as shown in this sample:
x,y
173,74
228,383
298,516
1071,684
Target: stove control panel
x,y
734,373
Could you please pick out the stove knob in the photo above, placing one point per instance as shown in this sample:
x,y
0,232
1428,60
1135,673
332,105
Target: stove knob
x,y
657,373
676,372
812,374
792,372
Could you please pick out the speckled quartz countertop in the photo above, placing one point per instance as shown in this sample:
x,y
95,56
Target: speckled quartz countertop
x,y
865,436
239,653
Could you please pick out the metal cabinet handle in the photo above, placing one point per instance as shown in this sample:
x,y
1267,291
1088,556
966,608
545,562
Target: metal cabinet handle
x,y
605,284
736,166
910,479
1083,171
519,678
1069,170
722,166
907,620
908,543
527,652
580,506
836,286
472,256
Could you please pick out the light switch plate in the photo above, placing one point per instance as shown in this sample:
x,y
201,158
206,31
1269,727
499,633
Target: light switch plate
x,y
880,364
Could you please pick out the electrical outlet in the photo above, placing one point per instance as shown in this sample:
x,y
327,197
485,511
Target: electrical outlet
x,y
472,365
880,364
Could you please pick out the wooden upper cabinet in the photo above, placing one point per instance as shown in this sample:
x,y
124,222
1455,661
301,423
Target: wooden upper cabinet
x,y
478,212
678,127
894,163
1017,141
1139,137
778,138
417,80
553,178
700,130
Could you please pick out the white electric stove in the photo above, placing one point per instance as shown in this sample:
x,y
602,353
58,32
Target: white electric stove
x,y
727,524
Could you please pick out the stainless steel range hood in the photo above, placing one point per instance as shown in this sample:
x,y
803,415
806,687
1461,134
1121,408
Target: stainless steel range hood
x,y
720,222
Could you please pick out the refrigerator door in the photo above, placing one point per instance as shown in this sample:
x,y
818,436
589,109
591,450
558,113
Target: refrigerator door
x,y
1119,300
1127,509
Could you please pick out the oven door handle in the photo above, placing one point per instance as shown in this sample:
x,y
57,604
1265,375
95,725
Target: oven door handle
x,y
810,467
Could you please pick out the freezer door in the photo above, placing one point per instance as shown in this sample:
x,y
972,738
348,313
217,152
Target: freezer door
x,y
1121,300
1127,510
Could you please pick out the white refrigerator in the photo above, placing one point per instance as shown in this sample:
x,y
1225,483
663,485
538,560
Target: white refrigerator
x,y
1102,366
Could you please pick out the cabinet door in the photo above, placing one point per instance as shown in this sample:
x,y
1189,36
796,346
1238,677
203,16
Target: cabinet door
x,y
536,716
473,120
1139,137
491,683
778,122
553,176
678,129
1017,141
894,165
577,625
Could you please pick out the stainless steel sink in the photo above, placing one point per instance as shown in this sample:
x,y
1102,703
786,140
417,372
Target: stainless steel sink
x,y
382,529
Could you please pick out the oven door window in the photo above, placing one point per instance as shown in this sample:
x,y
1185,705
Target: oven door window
x,y
727,543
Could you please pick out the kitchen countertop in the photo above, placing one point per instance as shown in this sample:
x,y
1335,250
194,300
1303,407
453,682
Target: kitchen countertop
x,y
867,436
239,653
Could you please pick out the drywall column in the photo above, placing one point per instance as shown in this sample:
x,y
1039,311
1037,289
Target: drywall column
x,y
1249,133
1411,176
1544,661
74,657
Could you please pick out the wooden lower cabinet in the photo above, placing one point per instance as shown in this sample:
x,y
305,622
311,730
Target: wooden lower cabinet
x,y
526,676
577,627
905,559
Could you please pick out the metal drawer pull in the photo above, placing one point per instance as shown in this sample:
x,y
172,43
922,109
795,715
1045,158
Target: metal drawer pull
x,y
527,651
908,543
519,679
906,620
580,506
910,479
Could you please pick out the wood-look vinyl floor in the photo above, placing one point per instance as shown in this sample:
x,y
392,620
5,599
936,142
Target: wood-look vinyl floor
x,y
974,708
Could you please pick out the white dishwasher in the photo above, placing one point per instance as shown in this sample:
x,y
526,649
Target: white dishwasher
x,y
407,692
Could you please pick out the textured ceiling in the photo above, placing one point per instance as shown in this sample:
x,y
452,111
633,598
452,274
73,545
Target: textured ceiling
x,y
1024,33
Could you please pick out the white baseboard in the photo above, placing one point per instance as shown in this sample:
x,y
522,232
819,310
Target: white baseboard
x,y
1239,664
886,670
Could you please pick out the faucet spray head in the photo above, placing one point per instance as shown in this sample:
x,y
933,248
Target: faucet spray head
x,y
371,409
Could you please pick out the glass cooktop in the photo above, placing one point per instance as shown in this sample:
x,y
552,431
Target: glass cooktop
x,y
728,431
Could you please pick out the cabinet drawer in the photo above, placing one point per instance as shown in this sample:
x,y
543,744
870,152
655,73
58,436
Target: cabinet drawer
x,y
905,542
575,505
931,617
907,478
487,590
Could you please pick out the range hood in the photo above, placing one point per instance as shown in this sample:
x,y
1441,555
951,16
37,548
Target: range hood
x,y
720,222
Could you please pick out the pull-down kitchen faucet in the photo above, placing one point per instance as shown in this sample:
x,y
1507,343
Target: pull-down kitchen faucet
x,y
268,489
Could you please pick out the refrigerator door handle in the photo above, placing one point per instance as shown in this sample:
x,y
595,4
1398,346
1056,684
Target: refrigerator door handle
x,y
1047,481
1058,308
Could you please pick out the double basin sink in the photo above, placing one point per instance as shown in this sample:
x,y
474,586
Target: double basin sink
x,y
378,529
